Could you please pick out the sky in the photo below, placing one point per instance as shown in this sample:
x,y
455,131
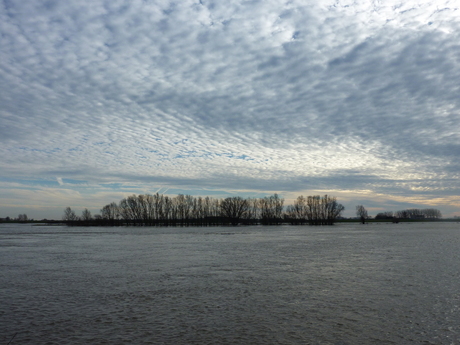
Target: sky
x,y
104,99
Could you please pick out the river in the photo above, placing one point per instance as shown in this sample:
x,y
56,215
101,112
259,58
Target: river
x,y
339,285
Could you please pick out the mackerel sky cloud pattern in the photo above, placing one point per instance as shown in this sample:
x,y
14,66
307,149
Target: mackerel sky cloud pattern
x,y
100,99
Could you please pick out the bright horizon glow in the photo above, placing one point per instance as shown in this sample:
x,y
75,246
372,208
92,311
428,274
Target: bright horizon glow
x,y
354,99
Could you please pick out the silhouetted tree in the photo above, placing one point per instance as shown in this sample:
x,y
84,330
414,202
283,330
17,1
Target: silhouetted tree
x,y
415,213
69,216
361,212
86,216
110,213
185,210
298,211
323,210
271,209
22,217
234,208
313,210
253,212
432,213
384,215
333,209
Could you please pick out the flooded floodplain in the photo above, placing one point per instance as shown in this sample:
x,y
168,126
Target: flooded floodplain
x,y
342,284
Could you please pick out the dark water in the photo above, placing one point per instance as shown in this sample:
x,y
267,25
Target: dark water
x,y
346,284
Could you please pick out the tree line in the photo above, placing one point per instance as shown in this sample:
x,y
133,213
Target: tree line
x,y
186,210
412,213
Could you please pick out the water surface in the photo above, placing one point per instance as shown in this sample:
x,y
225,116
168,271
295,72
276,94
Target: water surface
x,y
345,284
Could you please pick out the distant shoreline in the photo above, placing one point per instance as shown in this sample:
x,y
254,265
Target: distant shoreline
x,y
368,221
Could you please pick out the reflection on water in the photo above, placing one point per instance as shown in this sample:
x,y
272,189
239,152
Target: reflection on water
x,y
346,284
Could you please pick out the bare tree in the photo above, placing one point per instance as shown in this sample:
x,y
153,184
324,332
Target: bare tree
x,y
401,214
361,212
234,208
297,213
183,207
432,213
333,209
271,209
110,213
22,217
415,213
253,212
313,210
167,210
69,215
157,210
322,210
385,215
125,211
86,215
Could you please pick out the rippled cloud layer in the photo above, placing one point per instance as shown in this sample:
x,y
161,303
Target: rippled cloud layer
x,y
103,98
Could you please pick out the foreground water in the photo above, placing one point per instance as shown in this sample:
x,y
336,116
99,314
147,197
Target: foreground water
x,y
345,284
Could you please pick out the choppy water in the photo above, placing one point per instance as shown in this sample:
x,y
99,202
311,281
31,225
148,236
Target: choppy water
x,y
346,284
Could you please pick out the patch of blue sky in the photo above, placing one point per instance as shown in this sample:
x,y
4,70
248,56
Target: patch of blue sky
x,y
182,141
248,194
131,186
207,154
74,182
215,193
156,152
151,151
30,183
113,185
295,35
29,149
244,157
232,155
179,156
193,192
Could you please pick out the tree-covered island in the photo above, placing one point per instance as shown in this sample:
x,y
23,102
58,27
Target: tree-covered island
x,y
187,210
